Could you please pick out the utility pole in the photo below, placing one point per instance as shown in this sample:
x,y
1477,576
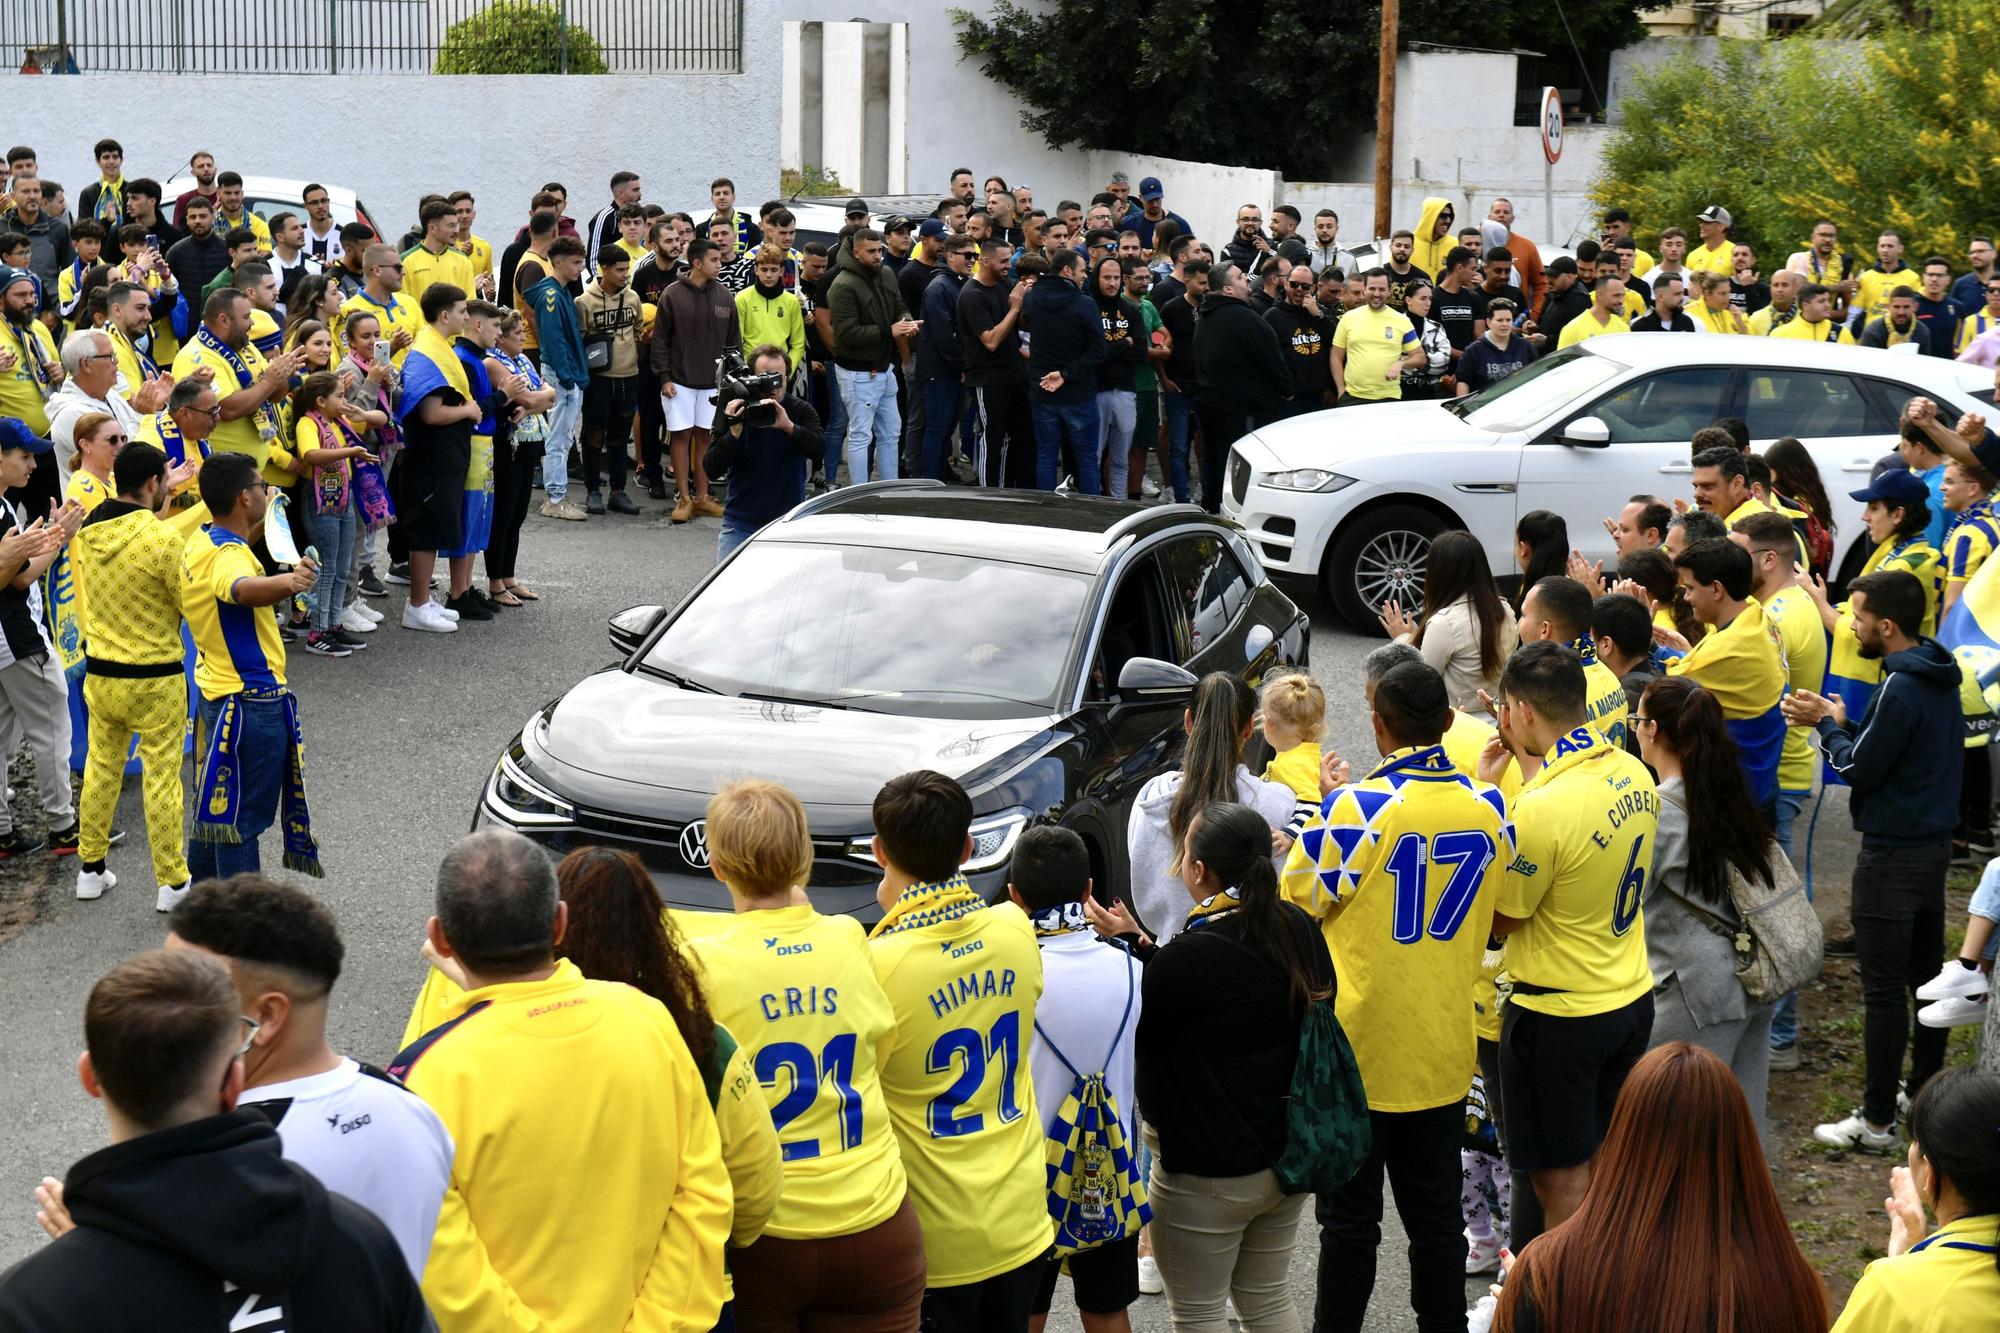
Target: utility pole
x,y
1385,117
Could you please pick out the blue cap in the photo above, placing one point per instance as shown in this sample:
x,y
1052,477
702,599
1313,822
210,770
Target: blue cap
x,y
1149,188
14,434
932,227
1896,486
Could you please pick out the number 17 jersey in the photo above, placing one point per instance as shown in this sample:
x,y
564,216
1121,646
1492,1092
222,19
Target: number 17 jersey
x,y
960,1091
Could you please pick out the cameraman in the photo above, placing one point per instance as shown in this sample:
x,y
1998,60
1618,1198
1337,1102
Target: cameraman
x,y
766,464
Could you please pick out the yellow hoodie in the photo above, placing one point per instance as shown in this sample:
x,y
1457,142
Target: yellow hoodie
x,y
588,1192
132,561
1430,250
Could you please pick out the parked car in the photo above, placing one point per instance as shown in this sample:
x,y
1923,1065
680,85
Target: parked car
x,y
821,218
1040,648
1353,496
267,196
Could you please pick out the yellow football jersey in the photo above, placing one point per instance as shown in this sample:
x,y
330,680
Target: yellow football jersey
x,y
963,980
1404,867
799,993
1605,703
1583,839
1802,642
1465,738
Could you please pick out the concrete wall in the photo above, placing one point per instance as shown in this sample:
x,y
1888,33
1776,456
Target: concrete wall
x,y
278,125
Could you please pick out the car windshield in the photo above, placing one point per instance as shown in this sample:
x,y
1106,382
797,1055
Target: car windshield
x,y
1533,394
878,629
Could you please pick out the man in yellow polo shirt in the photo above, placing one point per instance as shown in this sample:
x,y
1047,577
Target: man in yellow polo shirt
x,y
1372,346
399,316
1815,321
1402,868
1558,609
248,749
436,258
232,212
475,248
1569,909
963,978
1716,252
249,387
1880,280
1604,315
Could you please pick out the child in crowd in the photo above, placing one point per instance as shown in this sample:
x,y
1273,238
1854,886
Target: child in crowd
x,y
1292,708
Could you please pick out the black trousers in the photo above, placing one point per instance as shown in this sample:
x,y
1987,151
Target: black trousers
x,y
1006,434
1418,1151
1221,427
652,423
1898,911
1975,797
513,489
998,1304
399,545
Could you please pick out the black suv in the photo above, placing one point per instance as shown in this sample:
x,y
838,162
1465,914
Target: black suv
x,y
1038,647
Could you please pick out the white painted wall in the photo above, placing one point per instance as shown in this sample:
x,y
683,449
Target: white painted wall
x,y
519,131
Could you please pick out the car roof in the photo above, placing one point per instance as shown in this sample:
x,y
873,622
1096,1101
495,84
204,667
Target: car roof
x,y
269,187
1058,530
1646,351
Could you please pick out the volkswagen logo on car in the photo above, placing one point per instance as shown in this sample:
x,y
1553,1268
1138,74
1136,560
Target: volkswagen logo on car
x,y
694,845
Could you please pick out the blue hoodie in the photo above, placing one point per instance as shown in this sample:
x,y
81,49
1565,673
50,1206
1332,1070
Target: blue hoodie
x,y
1893,757
557,331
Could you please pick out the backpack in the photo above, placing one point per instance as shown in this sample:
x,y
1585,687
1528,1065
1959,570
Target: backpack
x,y
1779,943
1327,1130
1095,1193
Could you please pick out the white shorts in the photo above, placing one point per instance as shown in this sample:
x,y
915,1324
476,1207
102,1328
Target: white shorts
x,y
688,408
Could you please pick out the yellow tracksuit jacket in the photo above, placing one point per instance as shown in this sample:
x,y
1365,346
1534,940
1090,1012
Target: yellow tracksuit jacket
x,y
588,1194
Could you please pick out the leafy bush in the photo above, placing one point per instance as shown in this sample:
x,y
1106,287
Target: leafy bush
x,y
518,37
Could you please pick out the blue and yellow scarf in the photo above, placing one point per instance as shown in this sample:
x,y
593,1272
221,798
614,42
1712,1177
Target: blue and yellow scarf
x,y
219,798
923,905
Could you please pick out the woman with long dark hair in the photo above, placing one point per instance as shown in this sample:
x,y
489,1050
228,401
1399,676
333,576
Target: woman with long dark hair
x,y
1217,1041
1218,726
1541,548
1696,996
1467,630
1796,478
1949,1279
1654,572
1680,1230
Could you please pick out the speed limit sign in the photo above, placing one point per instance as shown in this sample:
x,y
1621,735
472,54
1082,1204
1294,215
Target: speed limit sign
x,y
1552,124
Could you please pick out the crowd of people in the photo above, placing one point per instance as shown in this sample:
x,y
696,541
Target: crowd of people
x,y
1504,968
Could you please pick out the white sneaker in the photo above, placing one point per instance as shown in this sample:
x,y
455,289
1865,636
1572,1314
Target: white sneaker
x,y
1482,1256
355,623
369,613
1954,1011
428,618
1150,1282
444,610
1952,981
169,896
91,884
1854,1132
1149,488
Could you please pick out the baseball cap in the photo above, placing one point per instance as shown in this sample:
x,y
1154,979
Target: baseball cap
x,y
1896,486
1149,188
14,434
895,222
856,205
1714,213
932,227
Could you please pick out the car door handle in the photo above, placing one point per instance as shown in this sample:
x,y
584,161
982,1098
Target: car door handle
x,y
1858,465
1677,468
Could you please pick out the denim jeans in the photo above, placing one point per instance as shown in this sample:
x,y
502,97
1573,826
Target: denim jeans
x,y
1785,1018
564,419
1145,436
940,416
1179,408
1118,411
263,748
872,419
1076,425
734,533
333,535
1986,903
1898,910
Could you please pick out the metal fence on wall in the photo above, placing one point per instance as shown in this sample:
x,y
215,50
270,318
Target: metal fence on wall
x,y
354,36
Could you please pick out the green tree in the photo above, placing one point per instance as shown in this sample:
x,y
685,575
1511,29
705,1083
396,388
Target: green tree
x,y
519,37
1218,80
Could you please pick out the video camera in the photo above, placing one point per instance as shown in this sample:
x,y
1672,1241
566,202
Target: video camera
x,y
759,393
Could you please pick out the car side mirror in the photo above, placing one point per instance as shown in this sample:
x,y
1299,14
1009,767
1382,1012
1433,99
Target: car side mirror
x,y
630,627
1587,433
1150,678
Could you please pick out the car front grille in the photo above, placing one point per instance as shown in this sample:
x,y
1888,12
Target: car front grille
x,y
1239,476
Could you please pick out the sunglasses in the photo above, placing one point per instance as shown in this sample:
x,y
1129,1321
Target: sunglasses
x,y
1300,286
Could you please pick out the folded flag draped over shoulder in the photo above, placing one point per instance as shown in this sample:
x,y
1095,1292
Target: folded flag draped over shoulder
x,y
431,365
1971,629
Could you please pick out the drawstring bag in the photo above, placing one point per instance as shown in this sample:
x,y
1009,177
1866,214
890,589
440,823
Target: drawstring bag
x,y
1327,1130
1095,1194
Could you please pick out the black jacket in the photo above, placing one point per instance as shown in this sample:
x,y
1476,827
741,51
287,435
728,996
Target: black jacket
x,y
765,466
205,1227
1307,340
1247,256
196,260
864,305
1066,334
1241,364
1890,757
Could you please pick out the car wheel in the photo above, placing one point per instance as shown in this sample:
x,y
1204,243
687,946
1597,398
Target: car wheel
x,y
1377,558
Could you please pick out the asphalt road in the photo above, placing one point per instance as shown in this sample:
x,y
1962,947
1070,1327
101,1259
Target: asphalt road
x,y
399,739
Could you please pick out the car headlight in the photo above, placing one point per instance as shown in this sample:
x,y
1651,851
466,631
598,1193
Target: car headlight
x,y
524,802
993,838
1305,479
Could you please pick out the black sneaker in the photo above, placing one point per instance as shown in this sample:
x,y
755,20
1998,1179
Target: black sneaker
x,y
371,586
594,503
1840,946
18,843
469,607
656,489
294,630
399,574
323,644
621,503
484,600
347,640
62,842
